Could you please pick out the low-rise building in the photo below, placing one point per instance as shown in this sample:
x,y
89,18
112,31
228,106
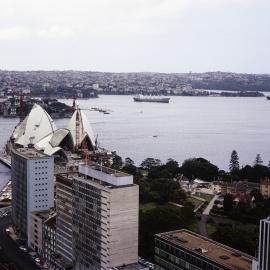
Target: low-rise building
x,y
48,240
238,187
35,236
186,250
265,188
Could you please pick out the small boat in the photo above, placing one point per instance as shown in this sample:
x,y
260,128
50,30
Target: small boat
x,y
268,97
159,99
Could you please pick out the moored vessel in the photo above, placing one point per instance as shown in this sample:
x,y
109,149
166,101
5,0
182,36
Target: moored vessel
x,y
141,98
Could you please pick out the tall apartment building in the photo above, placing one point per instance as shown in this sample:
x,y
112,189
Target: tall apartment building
x,y
264,244
32,178
185,250
105,206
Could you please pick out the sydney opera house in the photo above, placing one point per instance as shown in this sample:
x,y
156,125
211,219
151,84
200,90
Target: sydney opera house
x,y
65,144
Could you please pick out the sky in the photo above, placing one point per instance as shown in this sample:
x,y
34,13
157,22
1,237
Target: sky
x,y
136,35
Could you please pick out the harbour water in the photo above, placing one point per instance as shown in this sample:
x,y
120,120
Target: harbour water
x,y
209,127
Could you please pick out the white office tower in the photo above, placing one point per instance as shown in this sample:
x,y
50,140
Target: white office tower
x,y
105,218
264,244
32,178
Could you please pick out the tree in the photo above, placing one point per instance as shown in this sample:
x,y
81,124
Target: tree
x,y
234,162
161,219
117,162
129,161
199,168
148,163
258,160
228,203
241,238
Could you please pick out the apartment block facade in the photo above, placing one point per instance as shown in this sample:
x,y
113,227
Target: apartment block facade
x,y
104,217
32,178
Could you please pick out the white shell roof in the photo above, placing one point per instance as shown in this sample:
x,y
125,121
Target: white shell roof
x,y
37,125
85,127
38,128
58,136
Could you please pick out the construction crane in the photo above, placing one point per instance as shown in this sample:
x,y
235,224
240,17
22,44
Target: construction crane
x,y
81,144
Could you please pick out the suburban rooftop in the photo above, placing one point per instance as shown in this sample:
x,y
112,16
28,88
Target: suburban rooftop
x,y
208,248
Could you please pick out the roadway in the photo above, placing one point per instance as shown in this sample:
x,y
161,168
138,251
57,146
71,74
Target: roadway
x,y
11,251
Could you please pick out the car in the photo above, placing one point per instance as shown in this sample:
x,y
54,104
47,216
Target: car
x,y
45,266
37,261
7,231
24,249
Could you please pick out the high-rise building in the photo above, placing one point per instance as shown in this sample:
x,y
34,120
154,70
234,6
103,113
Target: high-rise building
x,y
104,212
264,244
32,178
186,250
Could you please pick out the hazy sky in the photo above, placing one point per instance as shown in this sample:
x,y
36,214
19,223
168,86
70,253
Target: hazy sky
x,y
136,35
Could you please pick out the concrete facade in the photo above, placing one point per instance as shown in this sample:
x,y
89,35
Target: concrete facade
x,y
32,175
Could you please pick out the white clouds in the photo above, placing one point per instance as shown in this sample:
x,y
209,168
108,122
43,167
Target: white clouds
x,y
56,31
121,33
70,18
13,33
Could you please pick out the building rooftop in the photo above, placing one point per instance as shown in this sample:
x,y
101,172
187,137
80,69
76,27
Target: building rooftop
x,y
106,175
108,170
43,215
208,248
51,221
30,153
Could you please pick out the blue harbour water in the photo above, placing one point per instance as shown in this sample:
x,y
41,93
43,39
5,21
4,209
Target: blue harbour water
x,y
209,127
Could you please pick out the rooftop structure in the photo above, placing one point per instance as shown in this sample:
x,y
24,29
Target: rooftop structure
x,y
203,249
106,175
30,153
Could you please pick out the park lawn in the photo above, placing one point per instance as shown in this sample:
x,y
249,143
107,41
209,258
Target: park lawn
x,y
147,206
211,228
207,197
195,202
193,227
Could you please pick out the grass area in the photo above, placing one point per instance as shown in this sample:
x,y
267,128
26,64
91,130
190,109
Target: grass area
x,y
207,197
211,228
147,206
195,202
193,227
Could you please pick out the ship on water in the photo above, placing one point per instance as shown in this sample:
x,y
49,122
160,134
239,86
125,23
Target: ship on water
x,y
142,98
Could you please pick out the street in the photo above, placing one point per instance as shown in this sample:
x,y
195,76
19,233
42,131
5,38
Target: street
x,y
11,250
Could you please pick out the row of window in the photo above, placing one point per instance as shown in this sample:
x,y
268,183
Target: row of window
x,y
41,206
44,161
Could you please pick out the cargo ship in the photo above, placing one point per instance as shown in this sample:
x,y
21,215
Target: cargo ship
x,y
141,98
